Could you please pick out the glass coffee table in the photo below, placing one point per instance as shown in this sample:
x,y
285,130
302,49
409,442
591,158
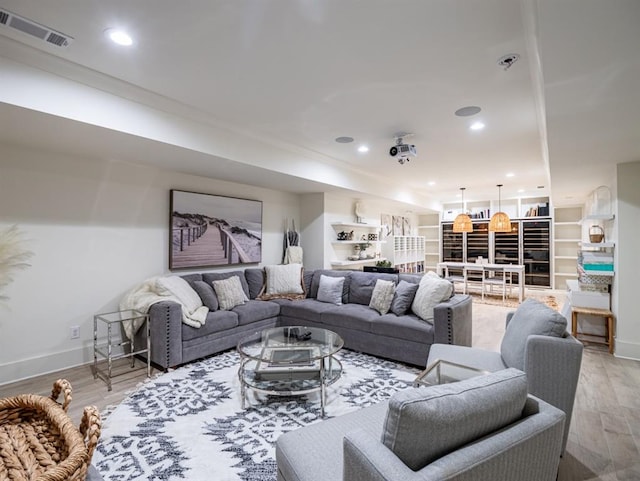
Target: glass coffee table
x,y
289,361
443,372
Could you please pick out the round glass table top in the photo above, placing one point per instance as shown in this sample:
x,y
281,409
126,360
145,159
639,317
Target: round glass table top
x,y
290,345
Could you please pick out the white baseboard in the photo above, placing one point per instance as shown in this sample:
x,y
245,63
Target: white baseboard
x,y
627,350
37,366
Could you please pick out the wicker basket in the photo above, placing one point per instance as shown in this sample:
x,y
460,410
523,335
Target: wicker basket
x,y
38,440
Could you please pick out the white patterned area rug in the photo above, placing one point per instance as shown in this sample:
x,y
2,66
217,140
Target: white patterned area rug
x,y
188,424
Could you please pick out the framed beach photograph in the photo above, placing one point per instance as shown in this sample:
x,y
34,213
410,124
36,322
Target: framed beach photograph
x,y
209,230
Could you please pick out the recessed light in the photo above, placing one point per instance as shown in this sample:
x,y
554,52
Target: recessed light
x,y
477,126
511,174
344,140
119,36
467,111
520,191
431,183
363,149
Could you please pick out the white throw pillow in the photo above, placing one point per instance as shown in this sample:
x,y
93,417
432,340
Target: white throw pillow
x,y
382,296
229,292
330,289
180,289
283,279
432,290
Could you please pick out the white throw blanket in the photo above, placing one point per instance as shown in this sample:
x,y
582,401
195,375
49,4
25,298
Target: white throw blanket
x,y
142,297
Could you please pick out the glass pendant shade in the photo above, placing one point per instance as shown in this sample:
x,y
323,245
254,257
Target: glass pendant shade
x,y
462,222
500,221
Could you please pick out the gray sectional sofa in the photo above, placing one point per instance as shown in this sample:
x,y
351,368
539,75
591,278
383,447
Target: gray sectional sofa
x,y
405,338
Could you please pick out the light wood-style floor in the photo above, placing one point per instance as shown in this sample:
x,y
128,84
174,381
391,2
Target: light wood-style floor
x,y
604,441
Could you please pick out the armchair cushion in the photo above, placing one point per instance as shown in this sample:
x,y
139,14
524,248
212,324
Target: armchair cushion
x,y
531,318
423,424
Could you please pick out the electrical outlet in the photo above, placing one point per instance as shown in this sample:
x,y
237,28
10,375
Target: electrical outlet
x,y
75,332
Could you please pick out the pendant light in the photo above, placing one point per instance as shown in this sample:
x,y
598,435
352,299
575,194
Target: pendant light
x,y
462,222
500,221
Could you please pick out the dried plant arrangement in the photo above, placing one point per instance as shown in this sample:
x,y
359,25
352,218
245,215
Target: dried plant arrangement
x,y
13,256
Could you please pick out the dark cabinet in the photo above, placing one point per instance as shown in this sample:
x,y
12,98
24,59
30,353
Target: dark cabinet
x,y
528,244
535,252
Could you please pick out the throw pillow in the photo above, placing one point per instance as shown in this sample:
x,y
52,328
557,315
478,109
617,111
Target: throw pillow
x,y
382,296
423,424
230,293
432,290
206,293
283,282
177,287
403,298
330,290
531,317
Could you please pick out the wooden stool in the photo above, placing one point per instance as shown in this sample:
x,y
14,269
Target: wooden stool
x,y
605,313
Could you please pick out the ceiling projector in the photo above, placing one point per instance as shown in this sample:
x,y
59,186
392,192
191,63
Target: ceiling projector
x,y
402,152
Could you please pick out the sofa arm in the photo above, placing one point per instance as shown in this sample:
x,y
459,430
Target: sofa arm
x,y
452,321
367,459
552,365
165,319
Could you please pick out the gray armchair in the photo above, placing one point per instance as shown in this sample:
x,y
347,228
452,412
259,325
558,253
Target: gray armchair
x,y
537,342
483,429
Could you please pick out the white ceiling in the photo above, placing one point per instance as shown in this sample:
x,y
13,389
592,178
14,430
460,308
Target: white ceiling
x,y
289,76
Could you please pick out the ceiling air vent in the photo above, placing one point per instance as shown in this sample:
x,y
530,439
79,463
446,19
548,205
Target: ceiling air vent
x,y
34,29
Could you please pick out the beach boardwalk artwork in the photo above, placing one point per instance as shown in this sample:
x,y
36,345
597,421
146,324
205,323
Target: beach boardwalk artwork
x,y
212,230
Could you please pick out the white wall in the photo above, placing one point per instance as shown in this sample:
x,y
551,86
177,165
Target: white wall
x,y
628,261
97,228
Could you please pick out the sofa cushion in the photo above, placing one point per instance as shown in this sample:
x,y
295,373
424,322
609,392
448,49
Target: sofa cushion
x,y
283,282
180,289
352,316
252,311
304,310
229,292
216,276
423,424
217,321
255,281
361,285
432,290
382,296
408,327
207,294
307,277
315,282
403,298
532,317
330,290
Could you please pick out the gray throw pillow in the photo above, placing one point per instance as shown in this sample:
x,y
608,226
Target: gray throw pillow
x,y
423,424
403,298
330,290
206,293
532,317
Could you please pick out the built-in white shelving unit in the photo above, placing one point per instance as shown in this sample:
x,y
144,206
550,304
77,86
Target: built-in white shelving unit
x,y
343,249
406,253
567,234
429,228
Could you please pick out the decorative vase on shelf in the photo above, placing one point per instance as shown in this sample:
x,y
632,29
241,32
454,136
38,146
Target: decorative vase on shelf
x,y
363,254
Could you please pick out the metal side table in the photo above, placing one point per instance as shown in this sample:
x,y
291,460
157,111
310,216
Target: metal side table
x,y
106,350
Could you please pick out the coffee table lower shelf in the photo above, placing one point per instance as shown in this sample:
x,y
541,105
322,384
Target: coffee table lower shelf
x,y
289,380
